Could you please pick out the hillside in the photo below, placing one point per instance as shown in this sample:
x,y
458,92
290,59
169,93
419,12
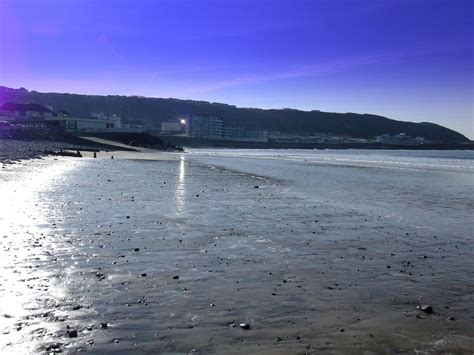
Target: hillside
x,y
152,111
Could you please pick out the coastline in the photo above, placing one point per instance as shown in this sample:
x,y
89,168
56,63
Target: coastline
x,y
188,142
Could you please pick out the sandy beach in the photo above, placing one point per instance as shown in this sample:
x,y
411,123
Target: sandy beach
x,y
178,253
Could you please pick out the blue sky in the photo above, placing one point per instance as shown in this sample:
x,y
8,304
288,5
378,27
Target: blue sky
x,y
405,59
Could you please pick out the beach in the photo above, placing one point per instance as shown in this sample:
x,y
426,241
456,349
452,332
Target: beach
x,y
238,251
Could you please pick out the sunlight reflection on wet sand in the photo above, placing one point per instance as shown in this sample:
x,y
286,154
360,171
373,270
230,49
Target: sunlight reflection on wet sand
x,y
23,231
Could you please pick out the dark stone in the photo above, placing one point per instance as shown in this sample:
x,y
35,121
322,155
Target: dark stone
x,y
136,249
176,277
245,326
54,348
143,274
72,333
425,308
104,325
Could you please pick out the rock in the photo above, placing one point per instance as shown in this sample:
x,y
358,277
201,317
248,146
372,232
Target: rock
x,y
245,326
104,325
128,217
136,249
75,308
143,274
256,187
54,348
72,333
176,277
425,308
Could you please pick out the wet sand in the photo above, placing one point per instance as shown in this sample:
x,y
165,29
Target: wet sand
x,y
171,255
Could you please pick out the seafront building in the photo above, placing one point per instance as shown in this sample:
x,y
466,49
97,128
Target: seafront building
x,y
205,127
174,127
41,116
240,134
399,139
25,112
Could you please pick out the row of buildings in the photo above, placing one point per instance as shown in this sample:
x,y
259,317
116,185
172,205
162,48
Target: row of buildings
x,y
199,127
213,128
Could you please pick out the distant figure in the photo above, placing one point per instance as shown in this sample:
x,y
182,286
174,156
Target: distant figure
x,y
111,157
95,155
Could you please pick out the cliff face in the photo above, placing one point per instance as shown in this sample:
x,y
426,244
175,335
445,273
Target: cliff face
x,y
152,111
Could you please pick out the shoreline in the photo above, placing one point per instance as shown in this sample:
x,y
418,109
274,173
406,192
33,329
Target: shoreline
x,y
187,142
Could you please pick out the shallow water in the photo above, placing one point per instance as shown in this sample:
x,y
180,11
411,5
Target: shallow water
x,y
332,252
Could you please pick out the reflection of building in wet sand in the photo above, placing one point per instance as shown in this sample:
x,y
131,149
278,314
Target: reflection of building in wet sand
x,y
181,188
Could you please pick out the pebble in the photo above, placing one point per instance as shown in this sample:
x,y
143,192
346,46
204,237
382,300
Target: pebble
x,y
54,348
176,277
245,326
72,333
425,308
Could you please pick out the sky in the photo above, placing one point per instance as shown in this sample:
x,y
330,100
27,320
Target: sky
x,y
410,60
